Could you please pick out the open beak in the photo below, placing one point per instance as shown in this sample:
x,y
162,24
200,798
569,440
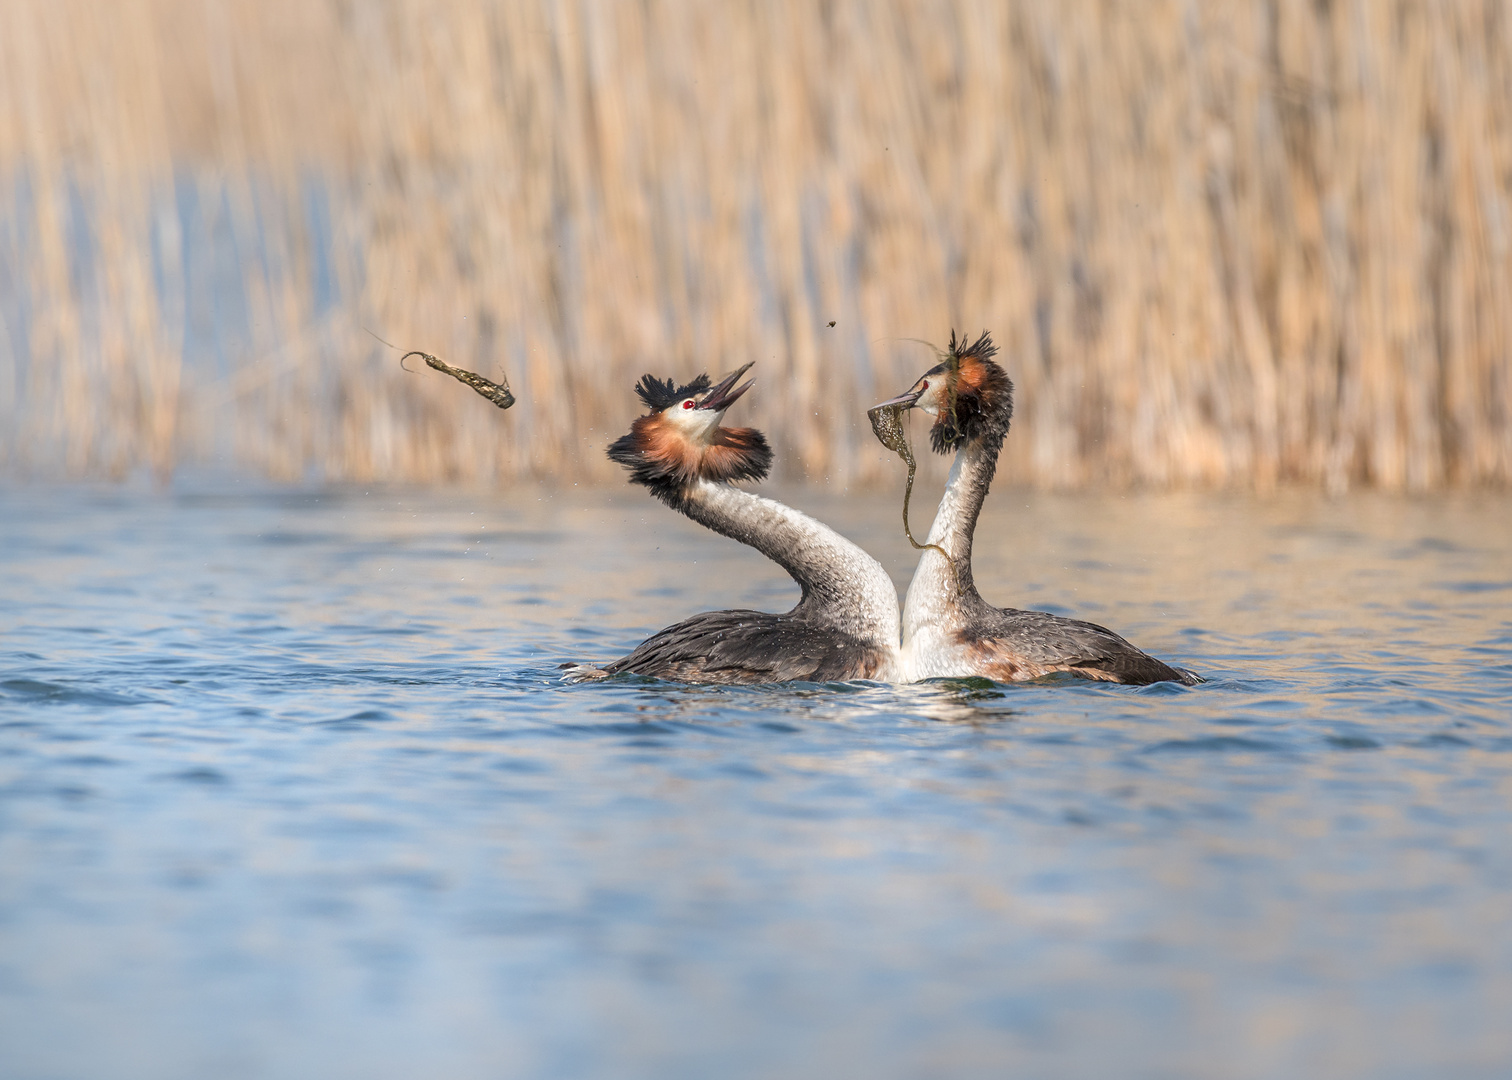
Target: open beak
x,y
721,396
907,400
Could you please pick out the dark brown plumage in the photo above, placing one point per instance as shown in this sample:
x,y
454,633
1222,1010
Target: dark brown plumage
x,y
1010,645
742,647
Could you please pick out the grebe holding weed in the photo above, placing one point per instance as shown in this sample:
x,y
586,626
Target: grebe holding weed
x,y
846,624
948,629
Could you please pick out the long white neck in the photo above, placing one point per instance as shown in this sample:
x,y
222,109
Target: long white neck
x,y
942,588
843,587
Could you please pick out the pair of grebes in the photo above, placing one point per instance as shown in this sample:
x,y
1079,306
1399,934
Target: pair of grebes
x,y
847,624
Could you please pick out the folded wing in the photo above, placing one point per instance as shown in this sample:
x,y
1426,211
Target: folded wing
x,y
743,647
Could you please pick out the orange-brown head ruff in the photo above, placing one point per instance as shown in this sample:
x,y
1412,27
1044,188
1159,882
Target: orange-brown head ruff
x,y
978,394
969,395
680,440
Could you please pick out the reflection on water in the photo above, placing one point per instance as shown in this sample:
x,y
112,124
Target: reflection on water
x,y
289,788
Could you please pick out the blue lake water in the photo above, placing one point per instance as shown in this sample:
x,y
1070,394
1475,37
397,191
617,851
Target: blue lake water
x,y
289,787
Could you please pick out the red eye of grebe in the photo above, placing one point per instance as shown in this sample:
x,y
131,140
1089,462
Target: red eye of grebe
x,y
925,386
687,404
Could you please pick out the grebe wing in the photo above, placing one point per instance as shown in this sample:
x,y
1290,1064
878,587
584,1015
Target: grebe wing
x,y
750,647
1036,642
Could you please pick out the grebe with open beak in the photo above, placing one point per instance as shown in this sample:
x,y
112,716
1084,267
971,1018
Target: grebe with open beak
x,y
846,624
948,629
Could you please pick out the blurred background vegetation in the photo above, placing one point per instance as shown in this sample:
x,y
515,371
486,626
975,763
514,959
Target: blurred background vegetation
x,y
1234,243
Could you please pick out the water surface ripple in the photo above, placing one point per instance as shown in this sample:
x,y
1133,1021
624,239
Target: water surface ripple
x,y
289,788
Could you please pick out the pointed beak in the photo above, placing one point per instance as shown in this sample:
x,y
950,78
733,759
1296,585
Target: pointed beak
x,y
721,396
907,401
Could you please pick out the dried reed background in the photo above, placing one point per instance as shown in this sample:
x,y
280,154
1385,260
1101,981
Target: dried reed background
x,y
1243,242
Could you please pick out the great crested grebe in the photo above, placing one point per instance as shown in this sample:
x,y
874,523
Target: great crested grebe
x,y
846,624
948,629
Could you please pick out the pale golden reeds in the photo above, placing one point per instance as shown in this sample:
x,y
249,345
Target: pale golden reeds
x,y
1234,243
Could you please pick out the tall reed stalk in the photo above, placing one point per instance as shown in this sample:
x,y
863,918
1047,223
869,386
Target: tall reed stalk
x,y
1238,243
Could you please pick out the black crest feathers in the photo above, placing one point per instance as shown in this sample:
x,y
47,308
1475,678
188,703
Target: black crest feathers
x,y
981,349
659,394
981,395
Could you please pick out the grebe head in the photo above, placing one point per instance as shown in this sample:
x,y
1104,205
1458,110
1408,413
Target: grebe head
x,y
967,393
680,438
